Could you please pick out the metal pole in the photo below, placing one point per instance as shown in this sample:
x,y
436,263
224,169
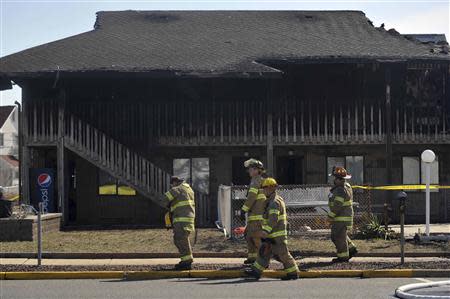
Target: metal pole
x,y
427,197
39,227
402,231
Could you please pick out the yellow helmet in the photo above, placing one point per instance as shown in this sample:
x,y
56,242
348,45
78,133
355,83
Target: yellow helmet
x,y
269,182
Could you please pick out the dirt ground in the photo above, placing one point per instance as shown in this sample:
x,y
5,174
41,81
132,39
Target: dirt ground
x,y
208,240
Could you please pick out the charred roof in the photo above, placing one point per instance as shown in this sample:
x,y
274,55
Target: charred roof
x,y
215,42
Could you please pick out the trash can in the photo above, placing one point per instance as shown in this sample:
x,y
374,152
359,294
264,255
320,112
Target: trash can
x,y
5,208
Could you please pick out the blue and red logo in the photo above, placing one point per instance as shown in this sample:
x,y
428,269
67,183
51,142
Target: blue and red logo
x,y
44,180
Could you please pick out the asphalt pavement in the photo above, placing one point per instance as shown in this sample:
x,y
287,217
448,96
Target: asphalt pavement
x,y
325,288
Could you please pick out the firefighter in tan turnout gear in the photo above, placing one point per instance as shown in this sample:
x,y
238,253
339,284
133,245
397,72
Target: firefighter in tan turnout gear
x,y
340,203
254,207
274,235
180,202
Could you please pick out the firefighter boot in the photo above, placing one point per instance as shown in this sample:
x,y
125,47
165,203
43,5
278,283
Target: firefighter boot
x,y
184,265
290,276
253,274
340,260
352,251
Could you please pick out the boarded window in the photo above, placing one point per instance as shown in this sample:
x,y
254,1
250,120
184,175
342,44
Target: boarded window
x,y
411,170
414,171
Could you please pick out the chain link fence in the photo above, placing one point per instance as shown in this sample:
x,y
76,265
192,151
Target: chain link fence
x,y
306,205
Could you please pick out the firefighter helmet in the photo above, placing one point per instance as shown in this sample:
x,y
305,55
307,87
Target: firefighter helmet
x,y
340,172
253,163
269,182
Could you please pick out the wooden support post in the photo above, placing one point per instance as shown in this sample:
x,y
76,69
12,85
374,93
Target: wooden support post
x,y
388,140
62,163
25,159
269,128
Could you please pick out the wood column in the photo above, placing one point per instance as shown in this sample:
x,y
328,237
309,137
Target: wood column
x,y
269,141
63,200
388,134
25,157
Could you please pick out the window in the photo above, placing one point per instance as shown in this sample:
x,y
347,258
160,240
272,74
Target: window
x,y
353,164
195,171
2,139
414,171
108,185
411,170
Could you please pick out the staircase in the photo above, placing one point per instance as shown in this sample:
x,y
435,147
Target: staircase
x,y
116,159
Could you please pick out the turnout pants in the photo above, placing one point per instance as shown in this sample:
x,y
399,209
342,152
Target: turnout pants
x,y
280,250
181,232
253,232
340,239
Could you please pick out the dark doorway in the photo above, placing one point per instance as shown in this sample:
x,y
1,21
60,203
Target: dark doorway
x,y
289,170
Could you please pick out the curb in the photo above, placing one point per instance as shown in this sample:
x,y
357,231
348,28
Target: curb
x,y
144,255
220,274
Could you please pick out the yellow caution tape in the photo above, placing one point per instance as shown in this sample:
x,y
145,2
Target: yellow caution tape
x,y
400,187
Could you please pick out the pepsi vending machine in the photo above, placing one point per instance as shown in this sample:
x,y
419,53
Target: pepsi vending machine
x,y
42,182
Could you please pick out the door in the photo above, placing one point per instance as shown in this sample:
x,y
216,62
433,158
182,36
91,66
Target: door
x,y
289,170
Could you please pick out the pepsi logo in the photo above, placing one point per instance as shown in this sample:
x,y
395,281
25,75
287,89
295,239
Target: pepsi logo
x,y
44,180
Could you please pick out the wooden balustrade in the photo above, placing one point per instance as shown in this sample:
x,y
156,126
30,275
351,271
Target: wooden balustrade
x,y
114,157
234,123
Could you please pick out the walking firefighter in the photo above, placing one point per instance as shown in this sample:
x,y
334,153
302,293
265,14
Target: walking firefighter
x,y
181,205
274,242
340,202
254,207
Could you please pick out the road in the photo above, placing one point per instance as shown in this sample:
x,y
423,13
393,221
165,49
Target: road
x,y
202,288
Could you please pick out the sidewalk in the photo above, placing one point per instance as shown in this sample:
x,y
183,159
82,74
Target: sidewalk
x,y
412,229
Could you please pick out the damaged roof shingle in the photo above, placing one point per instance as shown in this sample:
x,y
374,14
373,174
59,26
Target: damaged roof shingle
x,y
214,41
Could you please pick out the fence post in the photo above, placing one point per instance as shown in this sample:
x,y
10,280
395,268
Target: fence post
x,y
39,235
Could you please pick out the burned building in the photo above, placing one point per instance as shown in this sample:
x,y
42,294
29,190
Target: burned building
x,y
146,94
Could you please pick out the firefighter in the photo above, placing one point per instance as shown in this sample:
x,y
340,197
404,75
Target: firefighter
x,y
254,207
180,202
340,202
274,235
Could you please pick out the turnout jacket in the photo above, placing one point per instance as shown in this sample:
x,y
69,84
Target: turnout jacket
x,y
256,201
181,204
340,202
275,218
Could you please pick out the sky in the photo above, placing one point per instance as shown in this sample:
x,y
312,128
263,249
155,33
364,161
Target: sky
x,y
29,23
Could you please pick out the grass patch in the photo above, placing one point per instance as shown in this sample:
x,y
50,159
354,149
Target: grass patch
x,y
208,240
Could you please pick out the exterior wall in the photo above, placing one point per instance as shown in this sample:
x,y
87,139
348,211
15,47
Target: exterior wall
x,y
94,209
10,131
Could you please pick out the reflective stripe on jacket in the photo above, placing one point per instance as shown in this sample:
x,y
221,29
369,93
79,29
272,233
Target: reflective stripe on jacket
x,y
340,203
275,217
181,203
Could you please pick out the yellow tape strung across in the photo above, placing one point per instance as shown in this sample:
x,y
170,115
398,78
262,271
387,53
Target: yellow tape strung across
x,y
401,187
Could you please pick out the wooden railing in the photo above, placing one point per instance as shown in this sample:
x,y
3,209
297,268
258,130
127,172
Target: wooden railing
x,y
240,123
115,158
